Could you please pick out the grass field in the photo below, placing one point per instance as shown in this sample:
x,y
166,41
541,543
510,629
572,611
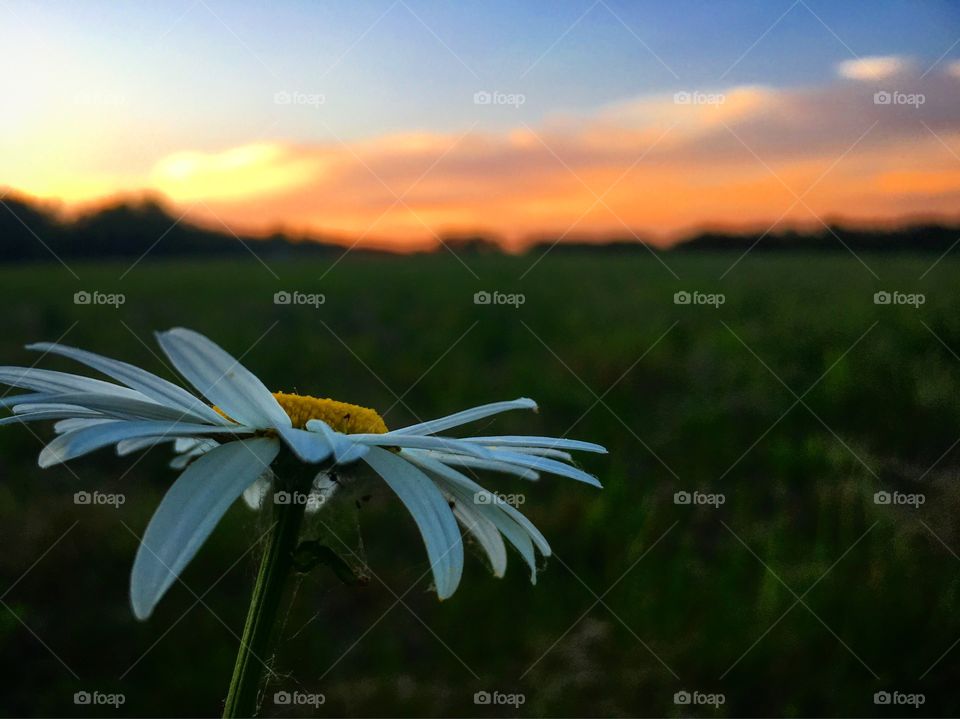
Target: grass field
x,y
797,399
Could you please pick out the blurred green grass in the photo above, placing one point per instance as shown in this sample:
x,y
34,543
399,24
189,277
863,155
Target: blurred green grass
x,y
643,598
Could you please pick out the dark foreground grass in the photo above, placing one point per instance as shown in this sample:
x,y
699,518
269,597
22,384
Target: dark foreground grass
x,y
797,400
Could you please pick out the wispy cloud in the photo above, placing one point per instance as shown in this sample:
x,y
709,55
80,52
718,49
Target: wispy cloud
x,y
736,157
657,165
877,68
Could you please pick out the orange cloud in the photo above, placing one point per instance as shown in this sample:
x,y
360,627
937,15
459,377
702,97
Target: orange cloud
x,y
921,182
658,165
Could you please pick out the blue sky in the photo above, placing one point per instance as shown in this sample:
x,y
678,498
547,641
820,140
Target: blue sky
x,y
412,68
315,116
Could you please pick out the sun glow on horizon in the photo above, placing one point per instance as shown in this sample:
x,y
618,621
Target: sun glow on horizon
x,y
588,155
249,171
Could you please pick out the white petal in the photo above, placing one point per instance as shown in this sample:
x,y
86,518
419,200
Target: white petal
x,y
415,441
518,530
189,444
516,535
156,388
88,439
539,452
124,407
494,465
220,378
484,530
189,511
50,414
25,398
470,415
458,478
430,511
68,410
185,444
44,380
345,449
310,447
548,442
68,425
521,541
196,447
546,465
129,446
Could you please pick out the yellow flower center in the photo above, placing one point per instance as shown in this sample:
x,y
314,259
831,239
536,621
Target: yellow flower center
x,y
341,416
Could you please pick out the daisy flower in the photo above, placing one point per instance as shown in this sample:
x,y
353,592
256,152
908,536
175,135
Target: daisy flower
x,y
227,438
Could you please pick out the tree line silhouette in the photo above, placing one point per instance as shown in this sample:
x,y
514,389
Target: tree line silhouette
x,y
131,229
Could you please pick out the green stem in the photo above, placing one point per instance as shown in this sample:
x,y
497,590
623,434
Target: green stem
x,y
264,607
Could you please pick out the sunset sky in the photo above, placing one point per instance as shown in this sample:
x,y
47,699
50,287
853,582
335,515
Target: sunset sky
x,y
392,123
